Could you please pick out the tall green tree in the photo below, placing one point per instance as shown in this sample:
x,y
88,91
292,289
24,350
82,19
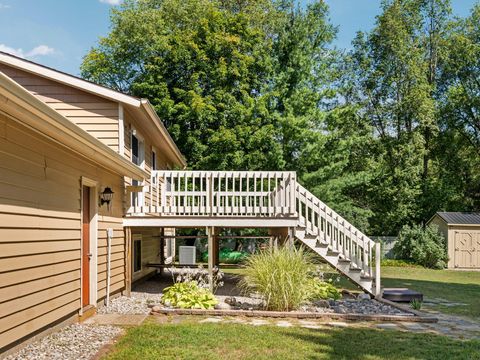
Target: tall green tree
x,y
398,69
233,81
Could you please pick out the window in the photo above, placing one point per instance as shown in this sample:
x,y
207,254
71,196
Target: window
x,y
138,150
154,160
137,254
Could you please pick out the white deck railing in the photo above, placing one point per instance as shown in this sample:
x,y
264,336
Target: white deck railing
x,y
330,227
218,193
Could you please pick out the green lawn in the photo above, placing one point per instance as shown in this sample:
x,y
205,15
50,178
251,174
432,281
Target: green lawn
x,y
234,341
451,285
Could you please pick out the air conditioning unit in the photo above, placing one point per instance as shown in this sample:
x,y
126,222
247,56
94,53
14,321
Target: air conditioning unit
x,y
187,255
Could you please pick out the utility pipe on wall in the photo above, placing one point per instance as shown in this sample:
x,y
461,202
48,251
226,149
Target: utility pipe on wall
x,y
109,247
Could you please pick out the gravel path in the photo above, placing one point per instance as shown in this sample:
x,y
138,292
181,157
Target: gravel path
x,y
74,342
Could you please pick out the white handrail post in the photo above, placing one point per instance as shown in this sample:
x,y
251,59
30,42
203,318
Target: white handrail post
x,y
293,193
378,292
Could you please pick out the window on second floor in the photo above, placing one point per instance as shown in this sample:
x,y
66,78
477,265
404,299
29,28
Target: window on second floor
x,y
138,150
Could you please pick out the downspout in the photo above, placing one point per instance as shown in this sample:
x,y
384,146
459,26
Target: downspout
x,y
109,247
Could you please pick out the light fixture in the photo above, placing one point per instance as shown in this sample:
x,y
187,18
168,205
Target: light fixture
x,y
106,197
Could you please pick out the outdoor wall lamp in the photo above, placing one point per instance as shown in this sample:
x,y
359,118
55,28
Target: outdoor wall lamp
x,y
106,197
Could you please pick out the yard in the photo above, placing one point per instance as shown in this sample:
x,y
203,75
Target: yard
x,y
193,340
187,338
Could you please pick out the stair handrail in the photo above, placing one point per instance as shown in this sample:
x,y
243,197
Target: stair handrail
x,y
360,239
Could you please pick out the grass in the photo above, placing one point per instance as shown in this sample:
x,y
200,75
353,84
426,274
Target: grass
x,y
190,340
454,286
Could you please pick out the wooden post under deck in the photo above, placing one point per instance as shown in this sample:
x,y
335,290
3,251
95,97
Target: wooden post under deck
x,y
128,265
211,260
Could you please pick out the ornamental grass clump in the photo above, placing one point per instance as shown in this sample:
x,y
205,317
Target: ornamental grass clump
x,y
282,278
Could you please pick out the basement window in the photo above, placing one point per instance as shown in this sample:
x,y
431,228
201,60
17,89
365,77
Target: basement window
x,y
137,255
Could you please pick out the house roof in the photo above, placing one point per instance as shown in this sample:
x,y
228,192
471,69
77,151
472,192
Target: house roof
x,y
461,218
143,105
24,107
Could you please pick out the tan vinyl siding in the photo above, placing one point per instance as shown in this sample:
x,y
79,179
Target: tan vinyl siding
x,y
40,236
94,114
150,250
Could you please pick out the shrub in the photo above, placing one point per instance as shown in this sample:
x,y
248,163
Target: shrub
x,y
188,295
398,263
423,246
323,290
281,277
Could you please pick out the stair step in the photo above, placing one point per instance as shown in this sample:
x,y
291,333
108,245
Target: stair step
x,y
331,252
366,277
352,269
320,244
344,261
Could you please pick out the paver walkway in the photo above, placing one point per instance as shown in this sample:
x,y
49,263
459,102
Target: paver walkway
x,y
452,326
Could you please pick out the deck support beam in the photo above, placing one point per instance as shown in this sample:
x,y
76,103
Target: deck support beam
x,y
211,256
128,265
378,255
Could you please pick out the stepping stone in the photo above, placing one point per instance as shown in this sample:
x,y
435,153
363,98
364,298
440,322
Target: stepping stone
x,y
401,295
210,320
413,326
387,326
338,324
258,322
284,324
312,327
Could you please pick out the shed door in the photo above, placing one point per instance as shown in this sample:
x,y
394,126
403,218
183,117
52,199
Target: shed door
x,y
467,249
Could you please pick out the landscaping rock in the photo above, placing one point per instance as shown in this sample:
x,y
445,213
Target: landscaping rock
x,y
363,296
231,301
222,306
321,303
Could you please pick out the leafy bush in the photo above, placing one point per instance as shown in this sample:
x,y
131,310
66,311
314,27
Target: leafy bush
x,y
423,246
228,256
188,295
398,263
282,277
323,290
416,304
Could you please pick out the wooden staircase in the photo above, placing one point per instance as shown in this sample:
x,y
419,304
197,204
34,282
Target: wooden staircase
x,y
266,199
338,242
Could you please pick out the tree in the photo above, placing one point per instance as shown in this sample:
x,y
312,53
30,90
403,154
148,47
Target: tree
x,y
234,82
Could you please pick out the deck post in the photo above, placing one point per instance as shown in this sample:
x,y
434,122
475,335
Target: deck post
x,y
128,261
211,260
378,291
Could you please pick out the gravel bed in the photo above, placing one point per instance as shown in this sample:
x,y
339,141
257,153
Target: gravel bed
x,y
349,306
74,342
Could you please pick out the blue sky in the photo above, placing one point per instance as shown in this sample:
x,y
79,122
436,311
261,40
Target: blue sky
x,y
58,33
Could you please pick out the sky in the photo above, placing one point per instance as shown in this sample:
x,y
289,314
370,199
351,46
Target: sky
x,y
58,33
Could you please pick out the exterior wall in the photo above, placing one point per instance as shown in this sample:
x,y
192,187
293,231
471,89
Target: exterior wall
x,y
94,114
40,231
442,225
150,250
131,124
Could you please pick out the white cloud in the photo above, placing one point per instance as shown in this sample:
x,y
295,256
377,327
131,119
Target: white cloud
x,y
40,50
4,6
111,2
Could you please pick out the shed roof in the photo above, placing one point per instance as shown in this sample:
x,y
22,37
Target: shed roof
x,y
460,217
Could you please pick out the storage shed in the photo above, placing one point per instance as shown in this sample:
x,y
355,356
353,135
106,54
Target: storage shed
x,y
462,232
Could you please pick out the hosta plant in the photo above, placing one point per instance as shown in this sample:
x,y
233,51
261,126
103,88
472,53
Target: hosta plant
x,y
323,290
188,295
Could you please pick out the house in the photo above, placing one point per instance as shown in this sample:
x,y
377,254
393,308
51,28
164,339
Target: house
x,y
462,234
90,197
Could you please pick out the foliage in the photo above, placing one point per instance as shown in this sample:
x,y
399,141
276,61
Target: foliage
x,y
416,304
281,277
199,275
386,133
228,256
233,82
188,295
398,263
323,290
423,246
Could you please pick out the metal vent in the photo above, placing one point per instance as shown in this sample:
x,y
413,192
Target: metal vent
x,y
187,255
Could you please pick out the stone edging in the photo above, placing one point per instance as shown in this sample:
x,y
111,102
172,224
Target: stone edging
x,y
297,315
